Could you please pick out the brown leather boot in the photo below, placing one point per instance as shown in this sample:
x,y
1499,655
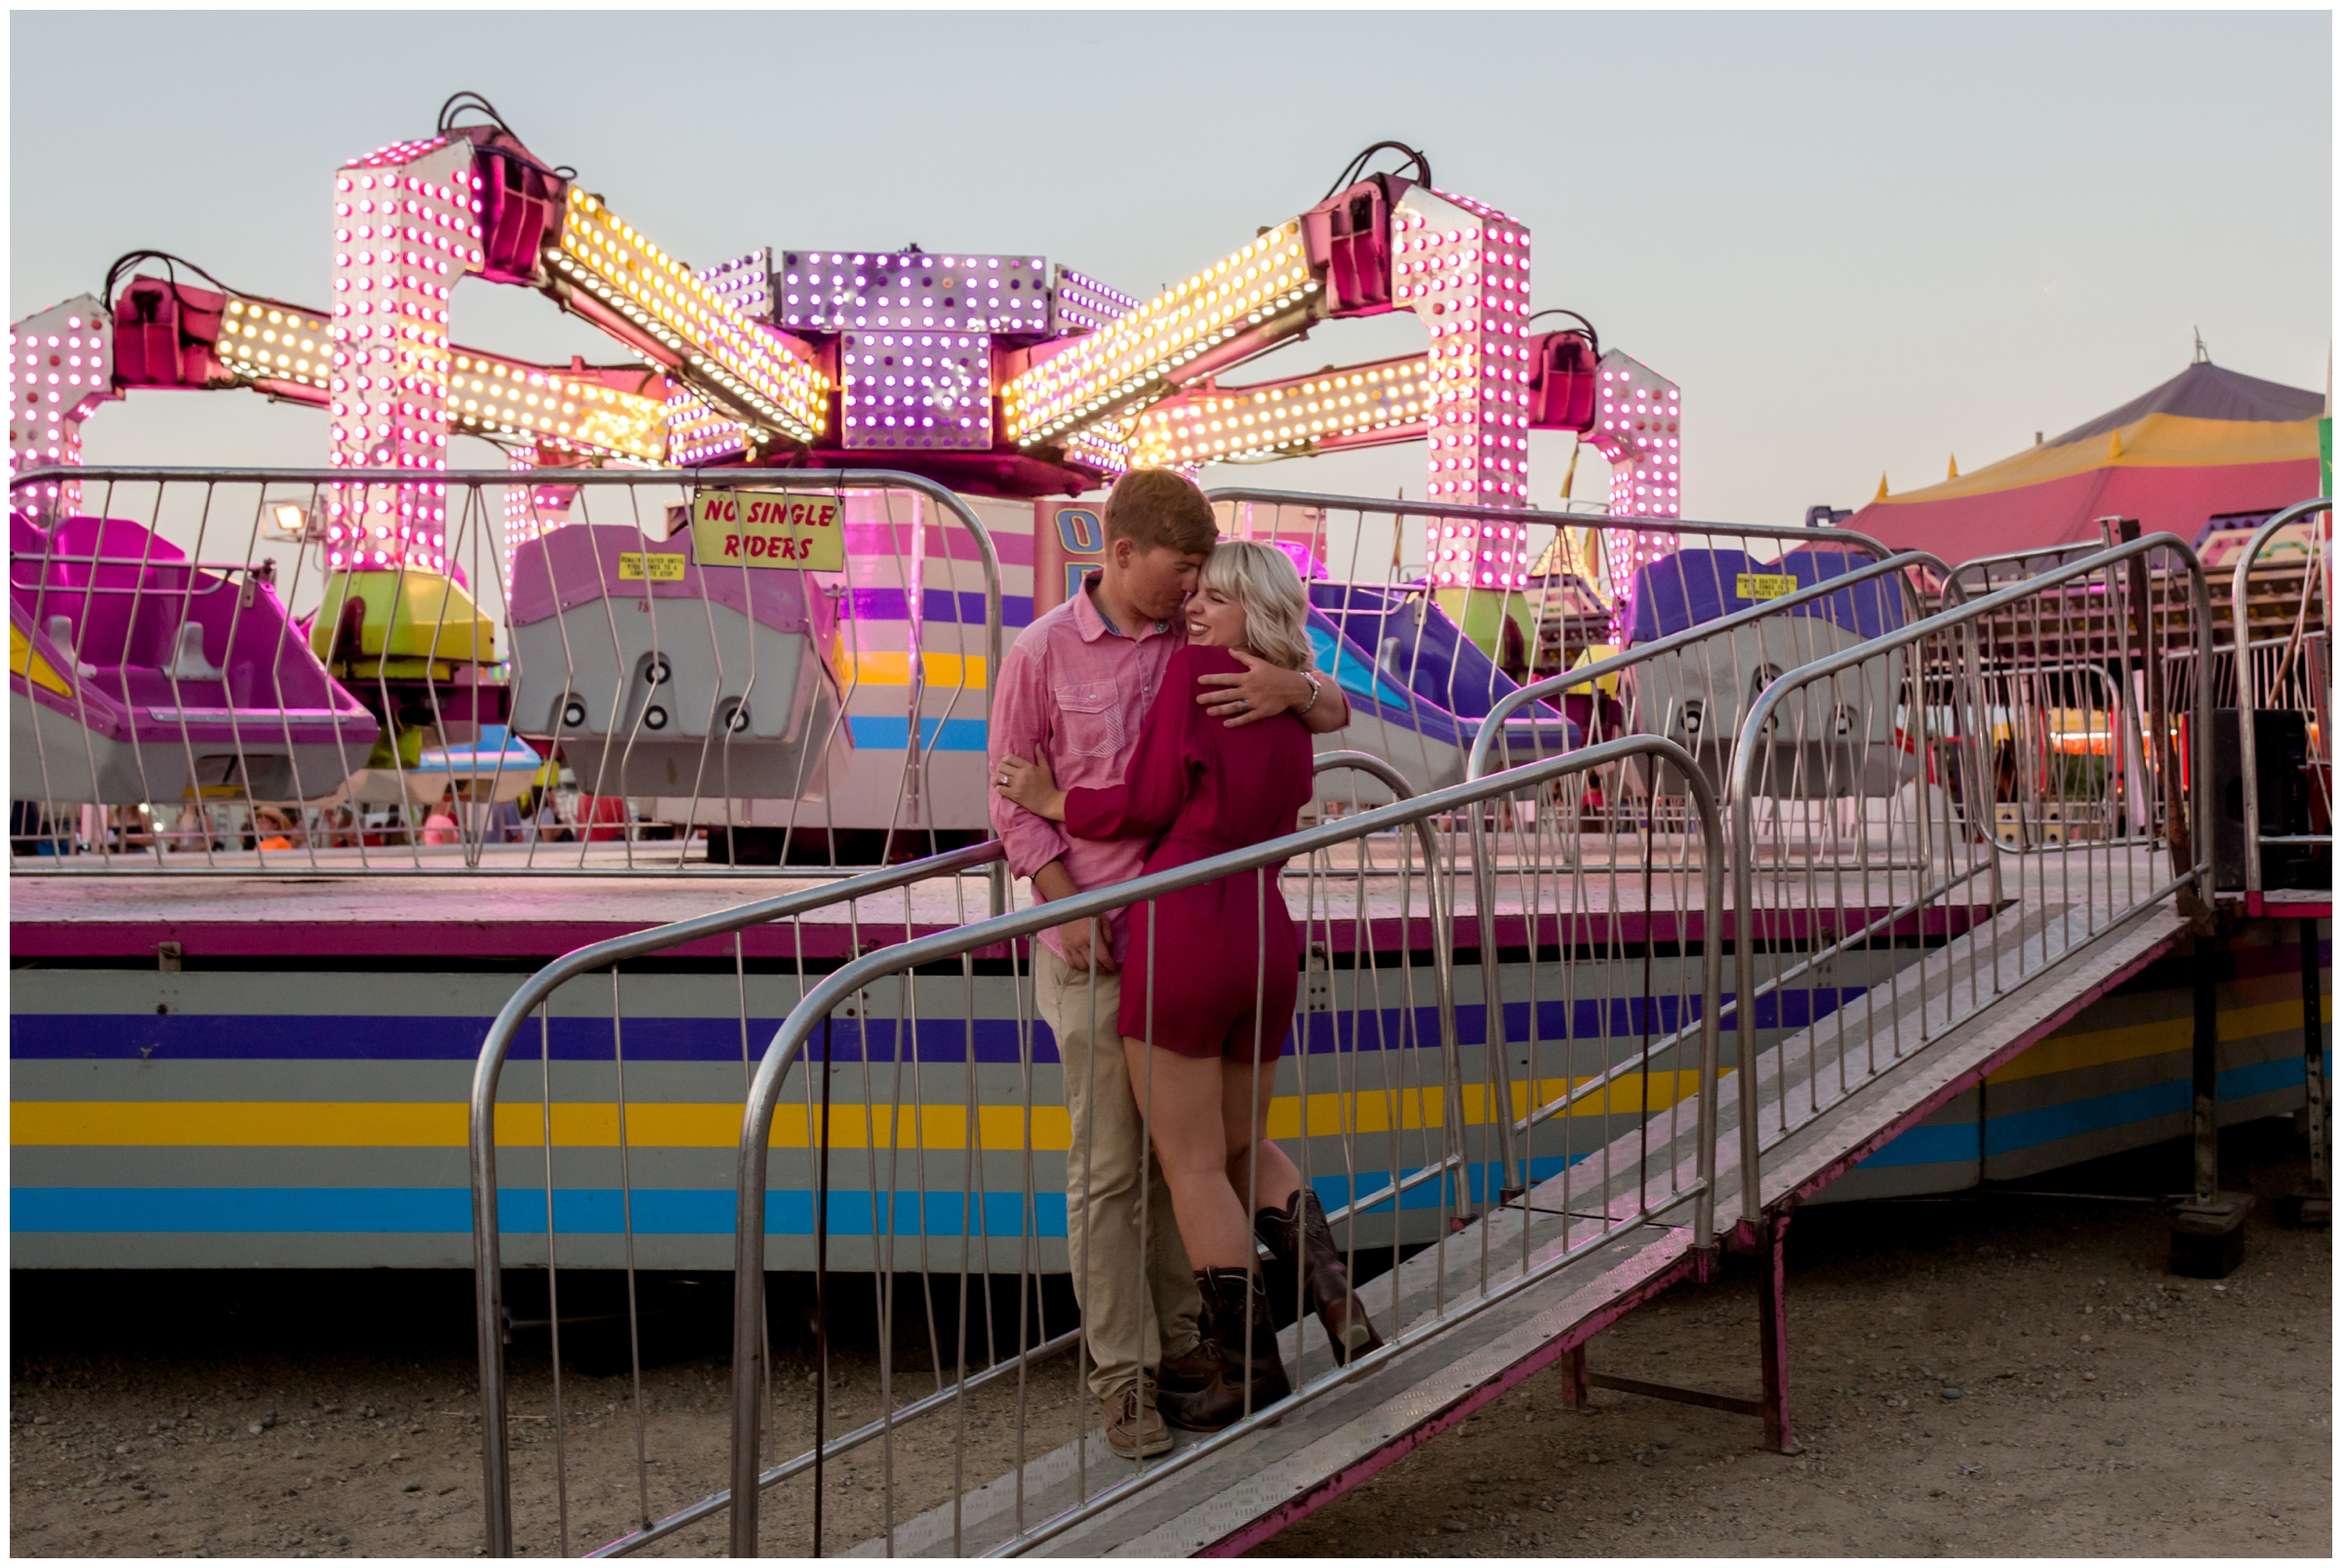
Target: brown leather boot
x,y
1301,1238
1235,1321
1190,1371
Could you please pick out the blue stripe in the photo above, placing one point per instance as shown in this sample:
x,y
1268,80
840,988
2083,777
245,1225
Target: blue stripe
x,y
338,1037
1927,1145
230,1037
1485,1181
598,1211
2049,1125
520,1211
361,1038
872,733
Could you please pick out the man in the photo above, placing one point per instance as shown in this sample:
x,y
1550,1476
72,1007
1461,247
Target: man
x,y
1074,689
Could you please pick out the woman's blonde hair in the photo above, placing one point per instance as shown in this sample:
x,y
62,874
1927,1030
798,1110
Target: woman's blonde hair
x,y
1277,609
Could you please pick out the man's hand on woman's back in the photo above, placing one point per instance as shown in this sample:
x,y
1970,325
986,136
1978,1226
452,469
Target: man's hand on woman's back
x,y
1266,690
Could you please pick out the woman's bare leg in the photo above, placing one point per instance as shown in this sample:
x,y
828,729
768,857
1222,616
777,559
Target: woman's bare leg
x,y
1180,1099
1259,1172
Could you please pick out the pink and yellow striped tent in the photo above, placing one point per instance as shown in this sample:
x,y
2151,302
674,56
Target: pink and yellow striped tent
x,y
2207,442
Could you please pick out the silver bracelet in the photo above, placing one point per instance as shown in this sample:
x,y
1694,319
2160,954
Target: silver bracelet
x,y
1317,689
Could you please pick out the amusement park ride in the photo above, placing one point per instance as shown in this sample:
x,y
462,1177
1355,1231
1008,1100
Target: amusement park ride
x,y
996,376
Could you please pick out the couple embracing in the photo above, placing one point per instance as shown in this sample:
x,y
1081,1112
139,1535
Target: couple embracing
x,y
1159,717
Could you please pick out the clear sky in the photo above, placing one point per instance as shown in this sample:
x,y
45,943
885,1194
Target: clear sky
x,y
1862,243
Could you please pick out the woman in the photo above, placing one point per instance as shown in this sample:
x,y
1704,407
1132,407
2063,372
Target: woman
x,y
1211,985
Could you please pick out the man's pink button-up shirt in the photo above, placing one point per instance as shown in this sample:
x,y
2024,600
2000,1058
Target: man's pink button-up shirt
x,y
1073,692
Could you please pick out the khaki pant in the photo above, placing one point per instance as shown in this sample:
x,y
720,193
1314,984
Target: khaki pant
x,y
1131,1312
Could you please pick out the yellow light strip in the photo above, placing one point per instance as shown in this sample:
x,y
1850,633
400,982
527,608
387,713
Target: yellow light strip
x,y
730,358
493,397
1283,417
1132,360
487,396
267,341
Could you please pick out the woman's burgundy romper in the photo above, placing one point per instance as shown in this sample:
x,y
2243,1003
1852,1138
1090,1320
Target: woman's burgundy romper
x,y
1224,957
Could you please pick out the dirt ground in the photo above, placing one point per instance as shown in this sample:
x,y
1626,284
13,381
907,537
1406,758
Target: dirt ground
x,y
1981,1376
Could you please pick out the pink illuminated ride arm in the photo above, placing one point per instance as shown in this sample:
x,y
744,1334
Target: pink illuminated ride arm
x,y
1162,768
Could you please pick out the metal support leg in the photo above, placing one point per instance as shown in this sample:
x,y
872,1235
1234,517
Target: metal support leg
x,y
1571,1369
2207,1230
2207,1063
2313,1204
2207,1075
1772,1327
1577,1378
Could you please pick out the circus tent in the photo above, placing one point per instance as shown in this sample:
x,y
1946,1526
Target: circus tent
x,y
2209,442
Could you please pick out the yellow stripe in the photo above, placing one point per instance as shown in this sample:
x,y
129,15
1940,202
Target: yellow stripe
x,y
894,669
2153,441
118,1123
1411,1108
316,1124
328,1124
2070,1053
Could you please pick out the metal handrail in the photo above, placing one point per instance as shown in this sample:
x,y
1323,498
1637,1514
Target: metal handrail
x,y
817,479
2249,758
1531,514
1492,729
1569,680
1444,973
1760,715
1955,594
797,1030
486,1249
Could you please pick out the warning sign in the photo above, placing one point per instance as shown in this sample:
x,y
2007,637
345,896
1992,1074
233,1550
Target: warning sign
x,y
663,565
1764,585
764,528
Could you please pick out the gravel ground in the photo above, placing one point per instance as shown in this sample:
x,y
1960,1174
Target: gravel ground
x,y
1984,1377
2103,1406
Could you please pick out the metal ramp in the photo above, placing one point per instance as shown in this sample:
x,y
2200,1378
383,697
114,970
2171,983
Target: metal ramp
x,y
1540,1279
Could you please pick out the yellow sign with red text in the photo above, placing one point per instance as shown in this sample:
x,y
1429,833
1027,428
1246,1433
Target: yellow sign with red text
x,y
770,529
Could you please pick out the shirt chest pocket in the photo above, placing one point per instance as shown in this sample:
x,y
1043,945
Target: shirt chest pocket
x,y
1089,719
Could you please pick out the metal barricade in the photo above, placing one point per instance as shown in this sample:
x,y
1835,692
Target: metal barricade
x,y
542,675
1961,684
1667,1053
2289,676
1982,574
1716,658
1431,614
941,880
1401,1004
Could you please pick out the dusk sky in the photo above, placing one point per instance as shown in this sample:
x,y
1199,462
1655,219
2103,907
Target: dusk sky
x,y
1861,242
